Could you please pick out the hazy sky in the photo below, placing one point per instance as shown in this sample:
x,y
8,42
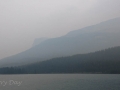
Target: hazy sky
x,y
21,21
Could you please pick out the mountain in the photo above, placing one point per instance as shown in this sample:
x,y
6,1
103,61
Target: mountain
x,y
89,39
104,61
38,41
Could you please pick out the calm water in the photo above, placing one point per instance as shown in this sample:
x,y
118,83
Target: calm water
x,y
60,82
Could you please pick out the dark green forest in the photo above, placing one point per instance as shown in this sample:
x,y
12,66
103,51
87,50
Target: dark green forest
x,y
105,61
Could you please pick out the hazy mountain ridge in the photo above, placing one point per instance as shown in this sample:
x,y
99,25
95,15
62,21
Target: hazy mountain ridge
x,y
38,41
107,25
88,39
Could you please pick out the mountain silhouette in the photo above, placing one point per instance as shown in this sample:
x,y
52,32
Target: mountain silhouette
x,y
89,39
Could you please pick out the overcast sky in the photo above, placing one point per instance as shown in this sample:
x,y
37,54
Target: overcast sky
x,y
21,21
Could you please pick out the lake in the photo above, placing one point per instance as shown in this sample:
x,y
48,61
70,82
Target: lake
x,y
60,82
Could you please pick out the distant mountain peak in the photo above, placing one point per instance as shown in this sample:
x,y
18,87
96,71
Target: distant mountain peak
x,y
39,40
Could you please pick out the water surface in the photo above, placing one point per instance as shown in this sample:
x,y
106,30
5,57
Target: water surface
x,y
60,82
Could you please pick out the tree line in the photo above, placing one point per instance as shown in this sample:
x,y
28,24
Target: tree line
x,y
104,61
